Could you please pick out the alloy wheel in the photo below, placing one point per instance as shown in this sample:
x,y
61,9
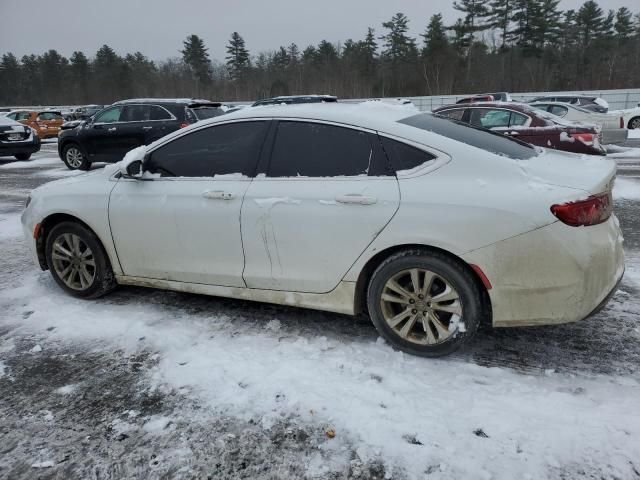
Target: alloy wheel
x,y
635,123
74,157
421,306
73,261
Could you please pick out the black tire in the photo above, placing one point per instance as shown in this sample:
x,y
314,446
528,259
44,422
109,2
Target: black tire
x,y
634,123
75,158
461,279
22,156
103,280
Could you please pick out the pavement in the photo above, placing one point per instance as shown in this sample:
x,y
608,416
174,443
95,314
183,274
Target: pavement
x,y
119,426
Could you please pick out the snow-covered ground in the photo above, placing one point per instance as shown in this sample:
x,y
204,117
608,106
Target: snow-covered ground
x,y
153,384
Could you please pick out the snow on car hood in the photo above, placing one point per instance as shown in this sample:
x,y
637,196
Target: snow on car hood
x,y
591,173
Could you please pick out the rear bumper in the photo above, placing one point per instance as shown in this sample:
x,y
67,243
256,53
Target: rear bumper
x,y
13,148
552,275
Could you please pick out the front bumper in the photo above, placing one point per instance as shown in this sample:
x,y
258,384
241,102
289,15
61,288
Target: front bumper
x,y
552,275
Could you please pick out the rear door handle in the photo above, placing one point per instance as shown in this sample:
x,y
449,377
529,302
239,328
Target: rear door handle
x,y
147,128
112,129
218,195
514,133
356,198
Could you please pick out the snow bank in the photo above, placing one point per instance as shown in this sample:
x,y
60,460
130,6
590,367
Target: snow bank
x,y
448,416
626,188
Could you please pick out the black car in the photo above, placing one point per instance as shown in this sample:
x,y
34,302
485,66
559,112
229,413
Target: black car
x,y
295,99
17,140
584,101
112,132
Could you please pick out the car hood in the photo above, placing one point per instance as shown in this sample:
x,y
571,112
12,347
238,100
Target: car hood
x,y
98,175
591,173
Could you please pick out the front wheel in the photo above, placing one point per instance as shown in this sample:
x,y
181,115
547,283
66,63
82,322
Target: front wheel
x,y
22,156
75,158
424,303
77,261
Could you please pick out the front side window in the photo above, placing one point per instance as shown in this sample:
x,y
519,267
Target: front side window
x,y
12,116
111,115
231,148
309,149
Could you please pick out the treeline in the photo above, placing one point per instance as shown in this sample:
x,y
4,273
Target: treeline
x,y
495,45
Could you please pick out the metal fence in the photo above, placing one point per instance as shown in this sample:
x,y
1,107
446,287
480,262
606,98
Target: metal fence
x,y
617,99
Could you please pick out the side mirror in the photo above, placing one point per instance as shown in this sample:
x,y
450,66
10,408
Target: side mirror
x,y
134,169
131,165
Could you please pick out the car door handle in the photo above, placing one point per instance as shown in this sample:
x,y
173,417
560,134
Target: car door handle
x,y
514,133
147,128
112,129
356,199
218,195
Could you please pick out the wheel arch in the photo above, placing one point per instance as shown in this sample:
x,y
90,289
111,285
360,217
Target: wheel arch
x,y
48,223
360,300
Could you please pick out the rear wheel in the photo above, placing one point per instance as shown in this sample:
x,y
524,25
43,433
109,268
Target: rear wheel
x,y
75,158
77,261
634,123
22,156
424,303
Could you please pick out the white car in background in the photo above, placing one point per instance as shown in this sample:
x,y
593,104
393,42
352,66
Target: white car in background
x,y
428,225
612,124
631,117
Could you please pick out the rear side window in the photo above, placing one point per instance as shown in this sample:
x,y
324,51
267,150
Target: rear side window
x,y
476,137
559,110
23,116
202,113
404,157
158,113
49,116
135,113
219,150
309,149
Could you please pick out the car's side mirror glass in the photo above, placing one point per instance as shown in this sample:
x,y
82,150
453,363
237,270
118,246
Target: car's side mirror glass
x,y
134,169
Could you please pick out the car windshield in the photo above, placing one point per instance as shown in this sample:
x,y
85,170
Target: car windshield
x,y
202,113
474,136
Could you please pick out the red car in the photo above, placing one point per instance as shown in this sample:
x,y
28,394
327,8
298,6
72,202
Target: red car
x,y
529,125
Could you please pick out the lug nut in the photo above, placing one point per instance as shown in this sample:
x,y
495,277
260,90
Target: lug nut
x,y
414,311
411,300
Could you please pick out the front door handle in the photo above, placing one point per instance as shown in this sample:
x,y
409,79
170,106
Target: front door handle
x,y
147,128
218,195
112,129
513,133
356,198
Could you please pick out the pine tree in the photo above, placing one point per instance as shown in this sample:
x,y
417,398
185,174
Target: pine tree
x,y
590,22
237,57
196,56
623,25
499,16
293,52
10,85
435,38
398,46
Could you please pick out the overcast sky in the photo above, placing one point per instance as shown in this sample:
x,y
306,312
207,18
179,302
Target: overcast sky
x,y
158,27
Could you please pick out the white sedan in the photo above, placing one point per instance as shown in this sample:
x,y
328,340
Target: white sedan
x,y
428,225
612,124
631,117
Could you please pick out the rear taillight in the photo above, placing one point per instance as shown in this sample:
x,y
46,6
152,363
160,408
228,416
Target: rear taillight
x,y
184,125
592,211
621,122
586,138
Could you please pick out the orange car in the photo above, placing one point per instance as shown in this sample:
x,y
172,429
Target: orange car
x,y
46,123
